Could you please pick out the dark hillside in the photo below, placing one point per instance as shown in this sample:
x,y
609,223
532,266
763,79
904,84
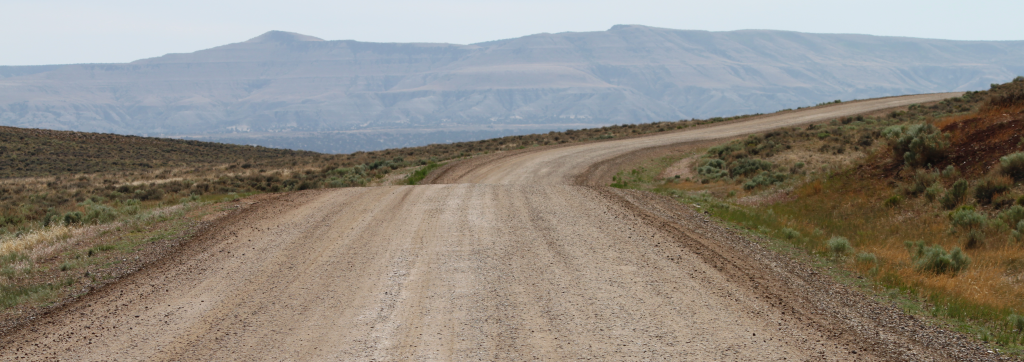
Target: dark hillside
x,y
37,153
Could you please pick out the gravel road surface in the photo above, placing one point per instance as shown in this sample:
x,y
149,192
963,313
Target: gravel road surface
x,y
512,256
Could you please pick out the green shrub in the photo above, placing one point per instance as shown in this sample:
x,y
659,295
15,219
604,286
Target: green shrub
x,y
189,198
932,193
919,144
131,207
52,217
893,201
922,180
712,168
867,258
1018,234
1016,322
98,213
838,246
764,179
722,151
748,166
955,196
73,217
790,233
965,219
989,187
1013,215
974,239
935,259
1003,200
1013,165
1007,94
950,172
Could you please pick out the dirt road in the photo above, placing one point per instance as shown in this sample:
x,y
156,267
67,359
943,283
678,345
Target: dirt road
x,y
503,258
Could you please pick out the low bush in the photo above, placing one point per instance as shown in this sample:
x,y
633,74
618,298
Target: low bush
x,y
189,198
1013,215
867,258
764,178
933,192
950,172
422,173
955,196
1007,94
1001,201
130,207
989,187
974,239
1012,165
1018,234
1016,322
838,246
73,217
98,213
790,233
748,166
918,145
935,259
52,217
893,201
965,219
922,180
712,168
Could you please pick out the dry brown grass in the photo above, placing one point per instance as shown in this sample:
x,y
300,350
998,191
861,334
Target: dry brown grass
x,y
37,243
849,199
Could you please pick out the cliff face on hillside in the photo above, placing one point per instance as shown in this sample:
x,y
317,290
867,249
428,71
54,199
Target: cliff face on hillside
x,y
281,88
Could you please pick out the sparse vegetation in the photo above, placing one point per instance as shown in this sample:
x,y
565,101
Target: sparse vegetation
x,y
44,173
422,173
1013,165
961,152
893,201
935,259
955,196
790,233
839,246
990,187
919,144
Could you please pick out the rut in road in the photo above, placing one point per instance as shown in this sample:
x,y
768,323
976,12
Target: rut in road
x,y
507,259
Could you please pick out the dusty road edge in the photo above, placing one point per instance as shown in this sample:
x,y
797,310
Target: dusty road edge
x,y
203,238
803,292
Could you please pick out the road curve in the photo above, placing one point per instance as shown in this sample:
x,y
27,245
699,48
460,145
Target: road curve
x,y
561,166
504,258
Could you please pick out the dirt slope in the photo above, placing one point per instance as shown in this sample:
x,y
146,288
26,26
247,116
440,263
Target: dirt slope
x,y
510,260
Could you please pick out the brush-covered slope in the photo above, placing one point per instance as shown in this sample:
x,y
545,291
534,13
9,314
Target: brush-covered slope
x,y
291,90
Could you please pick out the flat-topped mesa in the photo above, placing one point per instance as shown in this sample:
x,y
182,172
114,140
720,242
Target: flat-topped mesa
x,y
277,36
284,89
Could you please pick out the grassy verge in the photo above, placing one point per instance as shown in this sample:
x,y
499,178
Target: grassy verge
x,y
416,176
57,263
938,236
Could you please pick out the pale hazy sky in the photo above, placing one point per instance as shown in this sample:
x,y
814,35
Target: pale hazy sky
x,y
95,31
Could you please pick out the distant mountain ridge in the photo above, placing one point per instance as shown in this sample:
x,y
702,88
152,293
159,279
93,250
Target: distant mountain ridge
x,y
291,90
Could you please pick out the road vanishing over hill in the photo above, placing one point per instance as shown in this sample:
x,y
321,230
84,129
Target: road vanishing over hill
x,y
509,256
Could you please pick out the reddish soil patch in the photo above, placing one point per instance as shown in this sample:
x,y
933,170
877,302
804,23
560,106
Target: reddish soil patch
x,y
978,143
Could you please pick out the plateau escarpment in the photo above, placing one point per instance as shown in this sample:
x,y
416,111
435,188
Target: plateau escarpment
x,y
296,91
